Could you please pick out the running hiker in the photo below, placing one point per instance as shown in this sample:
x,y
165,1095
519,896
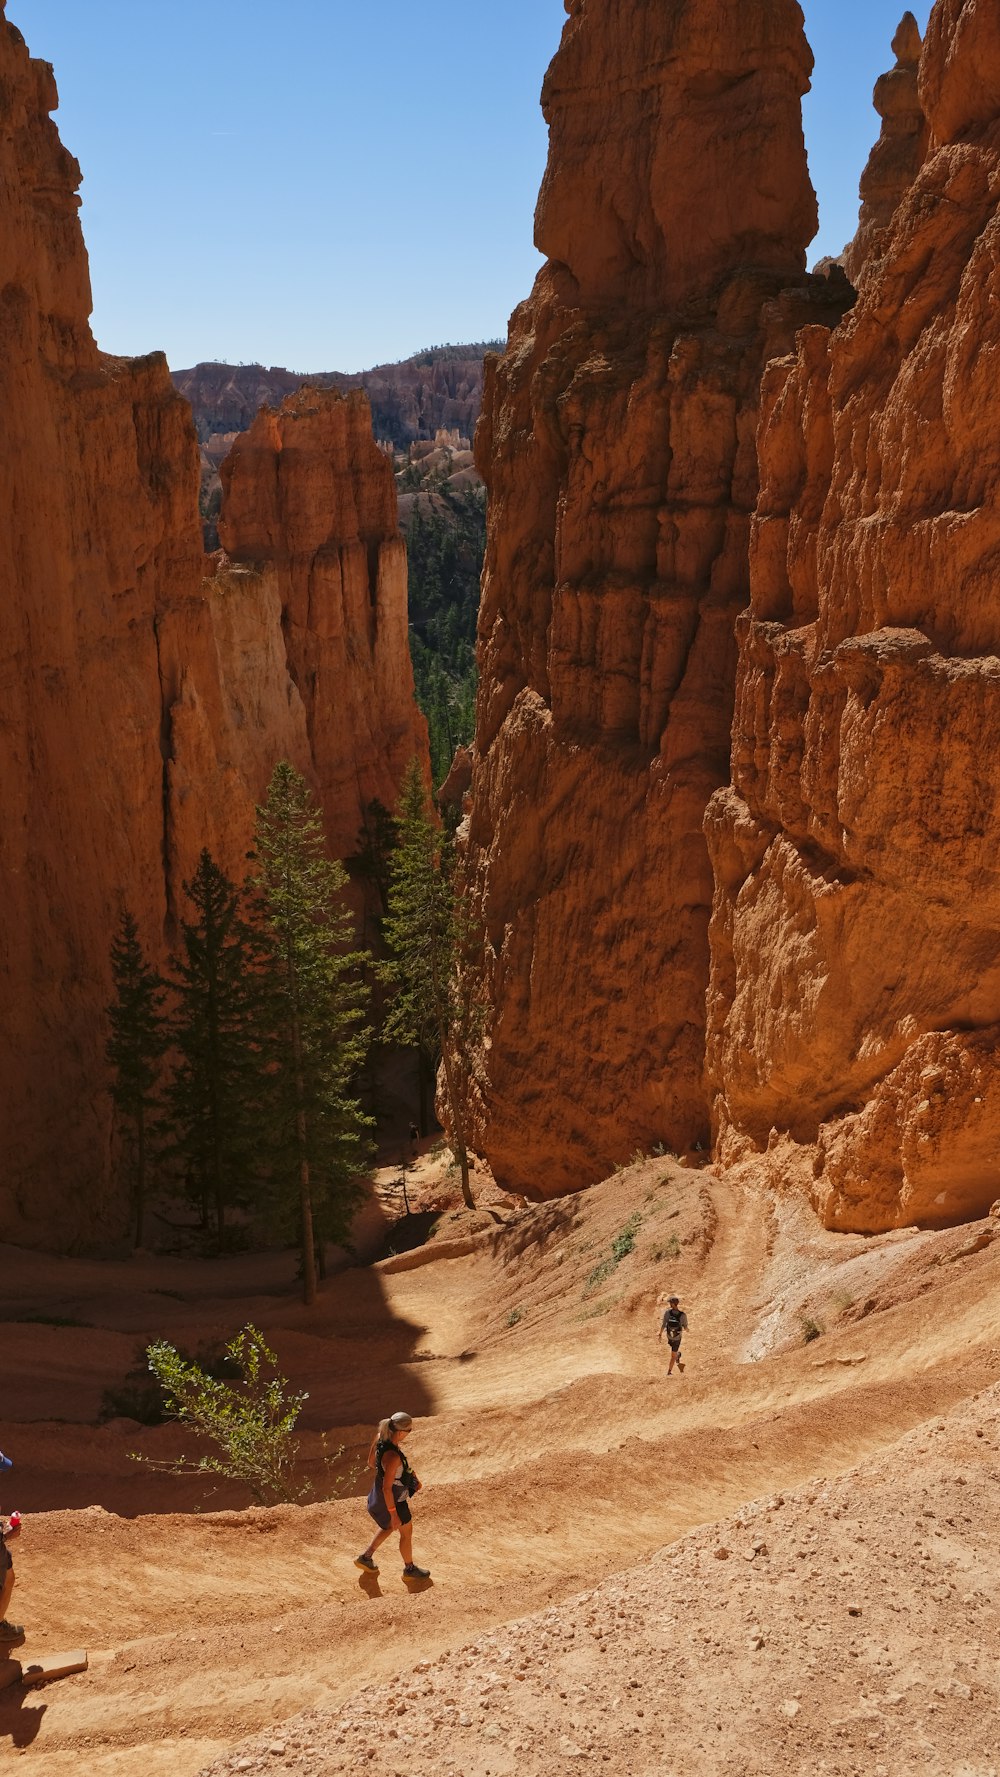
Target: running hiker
x,y
674,1324
389,1500
11,1634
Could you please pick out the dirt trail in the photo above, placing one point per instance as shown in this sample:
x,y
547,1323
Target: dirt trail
x,y
553,1449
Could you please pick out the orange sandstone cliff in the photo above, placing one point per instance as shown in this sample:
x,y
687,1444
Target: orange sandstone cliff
x,y
309,505
854,1010
899,152
617,443
142,707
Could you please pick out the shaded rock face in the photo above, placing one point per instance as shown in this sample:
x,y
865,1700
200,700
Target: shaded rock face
x,y
854,1008
899,152
142,707
309,506
617,443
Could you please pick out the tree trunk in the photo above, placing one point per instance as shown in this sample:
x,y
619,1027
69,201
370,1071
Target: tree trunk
x,y
458,1131
308,1238
424,1079
140,1174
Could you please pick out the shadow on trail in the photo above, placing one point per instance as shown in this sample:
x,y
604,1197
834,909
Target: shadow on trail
x,y
19,1724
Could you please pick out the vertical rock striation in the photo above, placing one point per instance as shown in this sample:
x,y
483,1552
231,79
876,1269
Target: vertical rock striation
x,y
617,443
854,1010
142,707
309,504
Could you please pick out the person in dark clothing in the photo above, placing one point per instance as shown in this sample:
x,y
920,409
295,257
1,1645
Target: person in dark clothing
x,y
674,1324
11,1634
389,1500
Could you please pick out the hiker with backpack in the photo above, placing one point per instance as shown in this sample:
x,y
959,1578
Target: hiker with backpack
x,y
674,1324
389,1500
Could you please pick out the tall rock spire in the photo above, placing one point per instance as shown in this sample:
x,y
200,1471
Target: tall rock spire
x,y
854,1009
618,446
899,152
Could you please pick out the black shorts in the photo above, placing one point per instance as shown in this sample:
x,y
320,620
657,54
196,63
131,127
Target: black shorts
x,y
380,1512
5,1562
674,1344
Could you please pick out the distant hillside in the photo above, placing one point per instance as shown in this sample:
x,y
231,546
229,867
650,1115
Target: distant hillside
x,y
438,389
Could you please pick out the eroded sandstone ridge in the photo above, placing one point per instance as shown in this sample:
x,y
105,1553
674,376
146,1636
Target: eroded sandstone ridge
x,y
618,446
855,997
309,507
142,707
898,154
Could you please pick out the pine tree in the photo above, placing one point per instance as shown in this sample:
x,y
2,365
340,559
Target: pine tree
x,y
134,1050
427,932
313,1132
217,1078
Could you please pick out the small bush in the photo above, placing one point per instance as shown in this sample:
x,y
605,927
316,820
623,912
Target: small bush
x,y
599,1275
811,1330
624,1242
249,1425
515,1315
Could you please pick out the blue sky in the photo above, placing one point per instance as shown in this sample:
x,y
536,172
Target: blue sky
x,y
329,185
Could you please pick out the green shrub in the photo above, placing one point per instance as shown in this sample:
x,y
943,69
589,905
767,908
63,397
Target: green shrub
x,y
811,1330
249,1424
515,1315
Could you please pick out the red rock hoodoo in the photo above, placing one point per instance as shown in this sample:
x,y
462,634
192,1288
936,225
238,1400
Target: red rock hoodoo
x,y
899,152
309,505
618,446
141,706
854,1009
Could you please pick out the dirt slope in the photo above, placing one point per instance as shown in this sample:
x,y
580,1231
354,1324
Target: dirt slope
x,y
554,1453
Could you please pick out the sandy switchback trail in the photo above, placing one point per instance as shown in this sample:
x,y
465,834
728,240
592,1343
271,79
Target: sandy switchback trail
x,y
553,1448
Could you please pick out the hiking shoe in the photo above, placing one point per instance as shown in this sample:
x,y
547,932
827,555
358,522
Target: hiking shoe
x,y
11,1633
412,1572
366,1563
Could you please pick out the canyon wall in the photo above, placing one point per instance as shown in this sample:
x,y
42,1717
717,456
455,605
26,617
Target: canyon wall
x,y
440,389
142,706
309,508
854,1009
617,442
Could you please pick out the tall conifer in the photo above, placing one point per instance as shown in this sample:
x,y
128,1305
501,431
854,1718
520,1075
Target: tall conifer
x,y
314,1134
427,933
215,1085
134,1050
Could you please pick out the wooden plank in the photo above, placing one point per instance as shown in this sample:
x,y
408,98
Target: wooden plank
x,y
51,1666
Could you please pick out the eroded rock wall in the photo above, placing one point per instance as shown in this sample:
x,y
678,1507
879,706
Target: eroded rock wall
x,y
854,1009
617,443
309,505
142,705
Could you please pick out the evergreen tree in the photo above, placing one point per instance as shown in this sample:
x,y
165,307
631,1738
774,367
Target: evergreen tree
x,y
428,934
313,1134
134,1050
217,1078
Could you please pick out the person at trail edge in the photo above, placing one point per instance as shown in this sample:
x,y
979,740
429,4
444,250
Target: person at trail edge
x,y
389,1500
674,1324
11,1634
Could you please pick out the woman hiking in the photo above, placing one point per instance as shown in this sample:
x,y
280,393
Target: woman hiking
x,y
389,1500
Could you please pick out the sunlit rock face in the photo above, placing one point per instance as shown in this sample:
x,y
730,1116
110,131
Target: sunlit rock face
x,y
898,154
309,503
855,996
143,702
618,446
